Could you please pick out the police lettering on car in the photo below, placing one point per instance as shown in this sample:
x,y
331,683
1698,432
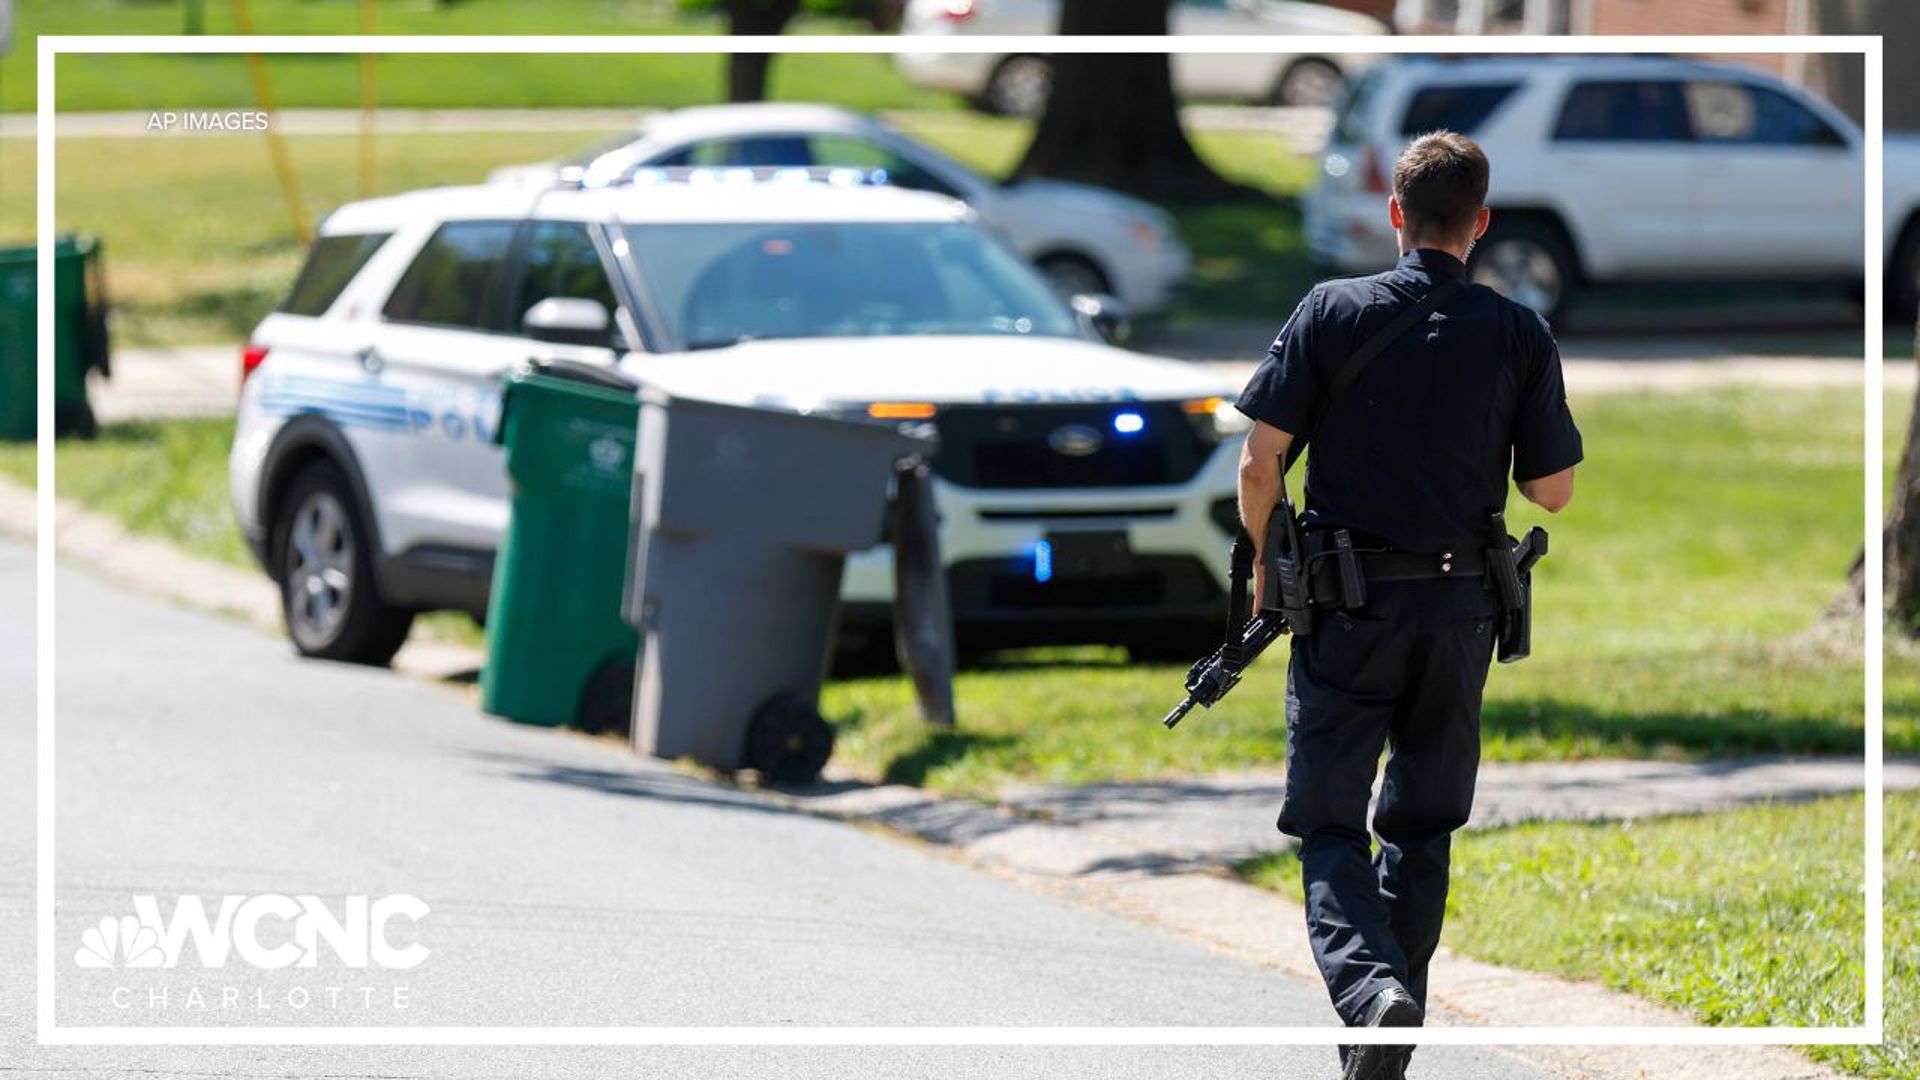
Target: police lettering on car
x,y
1420,392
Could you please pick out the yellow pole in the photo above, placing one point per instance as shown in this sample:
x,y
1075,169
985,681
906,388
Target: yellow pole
x,y
276,148
369,94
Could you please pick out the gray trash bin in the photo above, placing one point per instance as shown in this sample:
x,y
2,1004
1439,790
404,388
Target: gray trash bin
x,y
743,519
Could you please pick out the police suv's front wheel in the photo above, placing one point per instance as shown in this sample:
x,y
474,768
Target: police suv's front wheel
x,y
323,562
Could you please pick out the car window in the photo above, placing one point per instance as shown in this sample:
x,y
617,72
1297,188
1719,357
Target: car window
x,y
719,283
1624,110
562,262
1453,108
1350,124
331,264
855,152
453,277
1732,112
749,151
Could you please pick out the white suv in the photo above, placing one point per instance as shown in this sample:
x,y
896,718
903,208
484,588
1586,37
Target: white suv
x,y
1084,238
1085,493
1607,169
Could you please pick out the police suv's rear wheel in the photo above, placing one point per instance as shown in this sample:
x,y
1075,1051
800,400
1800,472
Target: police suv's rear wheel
x,y
1019,86
322,560
1527,262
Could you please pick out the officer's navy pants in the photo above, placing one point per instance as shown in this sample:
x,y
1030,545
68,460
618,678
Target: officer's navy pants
x,y
1404,672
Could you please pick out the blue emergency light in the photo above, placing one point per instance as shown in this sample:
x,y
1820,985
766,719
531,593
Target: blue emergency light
x,y
1129,423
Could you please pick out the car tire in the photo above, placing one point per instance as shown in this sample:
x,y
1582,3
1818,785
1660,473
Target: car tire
x,y
1309,82
1528,261
1903,276
1073,275
1019,86
322,558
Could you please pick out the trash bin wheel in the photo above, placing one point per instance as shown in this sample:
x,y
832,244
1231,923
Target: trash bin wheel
x,y
788,742
606,705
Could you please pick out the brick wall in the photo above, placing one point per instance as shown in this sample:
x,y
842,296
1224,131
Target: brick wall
x,y
1687,17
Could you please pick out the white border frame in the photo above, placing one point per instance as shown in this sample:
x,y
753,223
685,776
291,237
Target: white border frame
x,y
49,1033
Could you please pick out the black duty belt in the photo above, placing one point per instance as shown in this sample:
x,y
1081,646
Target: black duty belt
x,y
1393,566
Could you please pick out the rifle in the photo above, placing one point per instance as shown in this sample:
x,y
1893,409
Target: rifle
x,y
1212,676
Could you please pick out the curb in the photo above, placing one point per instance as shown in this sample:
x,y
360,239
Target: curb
x,y
160,569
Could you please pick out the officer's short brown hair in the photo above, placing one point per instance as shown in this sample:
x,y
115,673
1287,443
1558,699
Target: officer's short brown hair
x,y
1441,183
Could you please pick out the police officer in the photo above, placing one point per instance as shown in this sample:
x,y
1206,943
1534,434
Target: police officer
x,y
1410,456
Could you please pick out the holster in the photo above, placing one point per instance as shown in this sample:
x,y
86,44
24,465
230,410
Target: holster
x,y
1289,587
1510,578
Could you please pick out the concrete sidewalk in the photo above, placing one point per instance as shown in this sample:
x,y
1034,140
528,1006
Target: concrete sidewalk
x,y
1216,821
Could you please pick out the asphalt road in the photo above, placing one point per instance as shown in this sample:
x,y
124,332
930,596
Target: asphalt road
x,y
568,884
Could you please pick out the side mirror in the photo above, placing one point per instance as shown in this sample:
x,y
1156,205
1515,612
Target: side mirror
x,y
1104,316
562,320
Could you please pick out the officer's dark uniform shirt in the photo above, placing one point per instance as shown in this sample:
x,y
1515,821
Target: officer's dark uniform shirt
x,y
1416,453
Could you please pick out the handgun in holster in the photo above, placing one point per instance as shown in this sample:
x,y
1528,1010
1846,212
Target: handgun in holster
x,y
1289,585
1510,577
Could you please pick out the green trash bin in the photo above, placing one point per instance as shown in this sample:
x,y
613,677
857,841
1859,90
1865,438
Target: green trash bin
x,y
558,651
79,338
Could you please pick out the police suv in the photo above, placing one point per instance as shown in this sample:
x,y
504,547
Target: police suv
x,y
1085,492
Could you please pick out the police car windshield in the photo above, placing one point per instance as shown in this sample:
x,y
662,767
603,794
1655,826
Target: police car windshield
x,y
719,284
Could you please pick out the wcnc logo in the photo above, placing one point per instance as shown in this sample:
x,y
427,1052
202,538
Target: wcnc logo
x,y
267,931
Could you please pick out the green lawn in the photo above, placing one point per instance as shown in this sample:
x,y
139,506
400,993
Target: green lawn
x,y
1710,531
1745,918
202,246
143,82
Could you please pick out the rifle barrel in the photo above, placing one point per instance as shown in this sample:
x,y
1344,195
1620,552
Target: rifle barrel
x,y
1178,712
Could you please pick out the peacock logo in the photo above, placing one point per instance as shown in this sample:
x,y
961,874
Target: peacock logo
x,y
123,942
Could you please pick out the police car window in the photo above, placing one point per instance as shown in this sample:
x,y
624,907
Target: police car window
x,y
562,262
721,283
860,153
1730,112
331,264
1453,108
1624,110
453,277
759,150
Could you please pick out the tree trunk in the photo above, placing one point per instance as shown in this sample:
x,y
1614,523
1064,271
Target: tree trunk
x,y
1112,120
747,72
1900,541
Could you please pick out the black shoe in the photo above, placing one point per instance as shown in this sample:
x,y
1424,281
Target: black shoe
x,y
1392,1007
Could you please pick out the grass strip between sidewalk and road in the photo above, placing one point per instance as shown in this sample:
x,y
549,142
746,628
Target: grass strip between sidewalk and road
x,y
1752,917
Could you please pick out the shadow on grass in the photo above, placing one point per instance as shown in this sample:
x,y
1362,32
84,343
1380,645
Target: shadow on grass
x,y
1669,732
942,749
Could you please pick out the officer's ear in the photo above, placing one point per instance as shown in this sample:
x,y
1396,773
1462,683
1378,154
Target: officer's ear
x,y
1481,222
1394,217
